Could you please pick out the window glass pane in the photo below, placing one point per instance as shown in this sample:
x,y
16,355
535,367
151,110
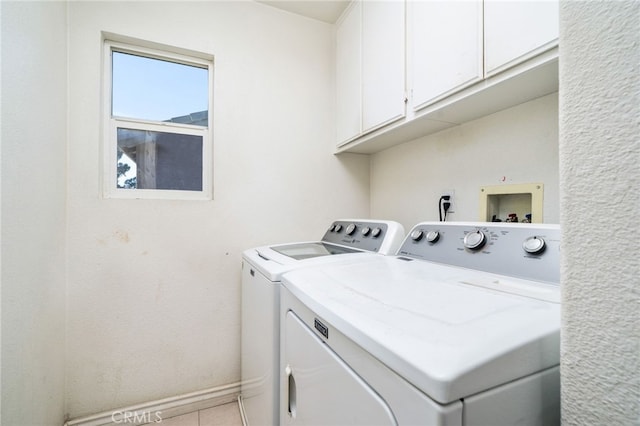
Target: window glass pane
x,y
153,89
159,160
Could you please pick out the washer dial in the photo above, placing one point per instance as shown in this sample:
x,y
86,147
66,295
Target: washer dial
x,y
351,229
365,231
475,240
417,235
534,245
433,236
375,233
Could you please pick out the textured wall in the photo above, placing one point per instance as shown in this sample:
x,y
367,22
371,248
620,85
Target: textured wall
x,y
600,182
34,100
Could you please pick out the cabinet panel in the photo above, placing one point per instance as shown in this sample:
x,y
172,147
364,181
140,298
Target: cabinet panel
x,y
348,74
518,30
383,62
446,45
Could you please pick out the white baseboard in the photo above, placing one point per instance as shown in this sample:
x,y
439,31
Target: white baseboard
x,y
155,411
243,414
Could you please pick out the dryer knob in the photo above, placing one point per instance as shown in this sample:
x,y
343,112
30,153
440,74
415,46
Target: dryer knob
x,y
433,236
534,245
475,240
351,229
417,235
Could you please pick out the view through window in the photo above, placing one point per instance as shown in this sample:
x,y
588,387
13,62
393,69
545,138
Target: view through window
x,y
159,117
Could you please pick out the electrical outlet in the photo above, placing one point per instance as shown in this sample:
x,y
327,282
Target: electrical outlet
x,y
450,193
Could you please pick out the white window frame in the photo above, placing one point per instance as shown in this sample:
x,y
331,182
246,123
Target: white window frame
x,y
112,123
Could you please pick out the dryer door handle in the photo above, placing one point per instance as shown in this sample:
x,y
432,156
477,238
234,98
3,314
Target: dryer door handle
x,y
291,392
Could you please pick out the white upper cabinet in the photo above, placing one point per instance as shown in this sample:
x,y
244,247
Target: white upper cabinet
x,y
370,67
516,30
383,62
464,59
349,74
446,45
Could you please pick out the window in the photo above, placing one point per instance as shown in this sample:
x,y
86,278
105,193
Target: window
x,y
157,123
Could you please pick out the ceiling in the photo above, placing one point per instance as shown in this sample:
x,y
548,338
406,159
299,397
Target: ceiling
x,y
323,10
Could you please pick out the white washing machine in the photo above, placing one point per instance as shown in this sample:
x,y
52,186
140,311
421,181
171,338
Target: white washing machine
x,y
262,268
461,327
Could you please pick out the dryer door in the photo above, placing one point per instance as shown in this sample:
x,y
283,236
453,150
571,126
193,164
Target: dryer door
x,y
321,388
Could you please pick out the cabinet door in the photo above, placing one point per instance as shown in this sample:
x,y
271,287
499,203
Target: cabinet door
x,y
348,74
446,46
383,62
517,30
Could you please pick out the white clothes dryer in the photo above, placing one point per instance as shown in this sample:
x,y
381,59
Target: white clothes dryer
x,y
461,327
262,268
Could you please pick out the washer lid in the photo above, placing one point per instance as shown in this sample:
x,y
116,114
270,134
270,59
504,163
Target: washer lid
x,y
271,263
438,326
302,251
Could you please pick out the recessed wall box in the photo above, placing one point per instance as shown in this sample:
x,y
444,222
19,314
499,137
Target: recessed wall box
x,y
502,202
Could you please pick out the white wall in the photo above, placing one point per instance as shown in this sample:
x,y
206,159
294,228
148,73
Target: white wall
x,y
517,145
153,292
600,179
33,175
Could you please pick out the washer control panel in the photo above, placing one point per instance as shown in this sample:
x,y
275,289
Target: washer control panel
x,y
528,251
373,236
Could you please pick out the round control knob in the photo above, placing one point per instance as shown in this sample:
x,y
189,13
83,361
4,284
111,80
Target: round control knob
x,y
338,228
365,231
475,240
375,233
417,235
534,245
350,229
433,236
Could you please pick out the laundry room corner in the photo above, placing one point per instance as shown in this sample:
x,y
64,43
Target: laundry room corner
x,y
154,284
312,218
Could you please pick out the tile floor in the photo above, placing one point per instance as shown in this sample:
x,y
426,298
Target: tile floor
x,y
222,415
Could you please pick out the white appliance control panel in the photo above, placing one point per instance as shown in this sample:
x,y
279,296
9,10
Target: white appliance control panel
x,y
374,236
528,251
